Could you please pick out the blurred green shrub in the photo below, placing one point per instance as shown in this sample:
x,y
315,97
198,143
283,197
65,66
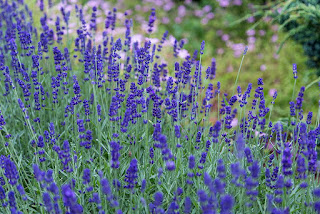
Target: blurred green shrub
x,y
300,19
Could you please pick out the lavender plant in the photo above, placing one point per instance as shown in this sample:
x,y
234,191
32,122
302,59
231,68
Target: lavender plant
x,y
112,127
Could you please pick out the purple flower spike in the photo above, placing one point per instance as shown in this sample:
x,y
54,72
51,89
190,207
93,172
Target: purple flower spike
x,y
158,198
10,171
132,174
187,205
286,161
170,165
86,176
240,146
202,47
70,199
294,70
226,204
152,19
47,202
191,162
115,154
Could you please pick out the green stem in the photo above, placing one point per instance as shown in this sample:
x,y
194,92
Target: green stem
x,y
235,84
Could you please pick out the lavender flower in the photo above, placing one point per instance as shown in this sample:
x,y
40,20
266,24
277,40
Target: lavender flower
x,y
286,161
12,200
86,176
187,205
155,206
191,166
143,185
47,201
152,19
221,169
70,199
39,175
202,47
170,165
309,118
177,131
21,192
2,193
240,146
2,121
115,154
226,204
294,69
10,171
299,99
131,174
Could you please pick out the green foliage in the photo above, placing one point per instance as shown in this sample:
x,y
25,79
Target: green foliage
x,y
300,19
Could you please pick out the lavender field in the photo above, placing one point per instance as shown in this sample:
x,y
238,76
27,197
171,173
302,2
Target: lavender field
x,y
100,114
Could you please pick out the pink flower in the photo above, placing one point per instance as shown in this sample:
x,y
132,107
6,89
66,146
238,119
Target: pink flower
x,y
238,49
219,32
171,39
230,68
204,21
99,37
272,91
145,27
251,46
263,67
270,146
105,6
146,9
274,38
138,7
225,37
260,56
262,32
256,133
153,40
210,15
183,53
234,122
68,8
223,3
120,30
129,12
158,3
168,6
181,11
198,13
250,19
275,28
251,39
267,19
237,2
251,32
92,3
220,51
279,10
206,8
178,20
99,20
136,38
165,20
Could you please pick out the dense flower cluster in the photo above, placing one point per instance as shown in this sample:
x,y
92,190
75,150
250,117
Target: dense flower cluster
x,y
110,126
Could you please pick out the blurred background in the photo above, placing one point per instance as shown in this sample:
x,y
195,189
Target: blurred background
x,y
226,26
